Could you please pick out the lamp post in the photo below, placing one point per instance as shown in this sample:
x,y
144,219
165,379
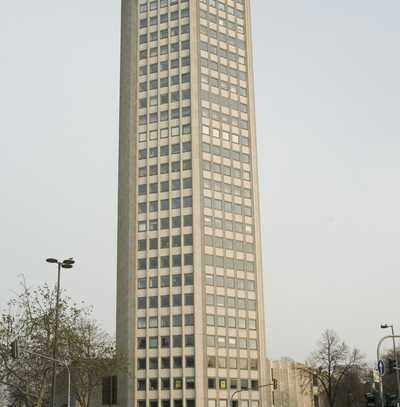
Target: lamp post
x,y
65,264
385,326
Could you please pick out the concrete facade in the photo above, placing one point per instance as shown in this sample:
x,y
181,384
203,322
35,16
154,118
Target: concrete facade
x,y
295,389
190,315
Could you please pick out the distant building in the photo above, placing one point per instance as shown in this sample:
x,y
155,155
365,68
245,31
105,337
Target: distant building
x,y
105,394
295,389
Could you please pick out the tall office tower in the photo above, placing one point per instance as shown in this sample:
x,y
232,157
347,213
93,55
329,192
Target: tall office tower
x,y
189,302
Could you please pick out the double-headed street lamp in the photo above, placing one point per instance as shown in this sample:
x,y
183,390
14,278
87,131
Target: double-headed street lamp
x,y
385,326
65,264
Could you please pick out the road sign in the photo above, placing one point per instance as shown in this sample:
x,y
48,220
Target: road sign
x,y
381,367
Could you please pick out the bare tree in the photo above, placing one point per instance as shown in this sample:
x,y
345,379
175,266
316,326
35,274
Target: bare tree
x,y
30,316
331,365
94,357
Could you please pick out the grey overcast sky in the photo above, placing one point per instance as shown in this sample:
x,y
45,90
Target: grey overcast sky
x,y
327,88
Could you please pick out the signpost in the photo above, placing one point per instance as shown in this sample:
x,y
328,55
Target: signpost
x,y
381,367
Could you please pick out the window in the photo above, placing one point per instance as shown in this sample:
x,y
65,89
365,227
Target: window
x,y
141,384
153,342
164,299
189,340
176,166
153,322
234,383
177,383
175,203
243,364
189,299
142,207
189,361
211,361
177,300
187,220
165,363
165,341
109,390
211,383
164,223
176,241
164,280
142,244
177,362
164,261
165,383
153,384
142,283
141,343
164,185
188,279
141,302
221,340
177,320
153,363
244,384
141,363
176,280
232,363
176,260
187,201
153,224
222,384
189,320
253,364
177,341
153,262
153,243
190,383
222,363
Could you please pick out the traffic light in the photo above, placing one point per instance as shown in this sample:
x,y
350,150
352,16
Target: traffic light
x,y
275,384
14,349
391,366
372,399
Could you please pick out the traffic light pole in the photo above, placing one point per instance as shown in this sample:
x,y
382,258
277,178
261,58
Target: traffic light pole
x,y
378,357
65,364
15,355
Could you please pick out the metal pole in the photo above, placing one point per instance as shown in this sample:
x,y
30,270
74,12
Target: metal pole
x,y
53,397
378,357
397,367
239,391
233,395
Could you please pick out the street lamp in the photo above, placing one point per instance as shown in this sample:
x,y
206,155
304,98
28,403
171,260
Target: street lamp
x,y
385,326
274,384
65,264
